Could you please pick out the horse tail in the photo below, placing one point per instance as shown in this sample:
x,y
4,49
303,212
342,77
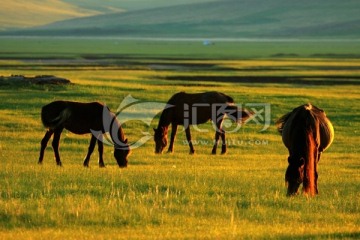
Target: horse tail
x,y
55,114
312,142
280,123
239,115
310,162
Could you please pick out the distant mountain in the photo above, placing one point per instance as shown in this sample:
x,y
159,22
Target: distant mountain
x,y
221,19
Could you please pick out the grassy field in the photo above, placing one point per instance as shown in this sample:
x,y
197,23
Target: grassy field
x,y
240,195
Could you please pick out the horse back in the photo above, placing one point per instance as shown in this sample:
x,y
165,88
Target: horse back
x,y
77,117
292,123
185,105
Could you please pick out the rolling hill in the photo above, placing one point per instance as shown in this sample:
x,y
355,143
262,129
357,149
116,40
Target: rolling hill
x,y
220,19
19,14
23,14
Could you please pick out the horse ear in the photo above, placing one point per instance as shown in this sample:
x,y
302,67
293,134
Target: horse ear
x,y
126,141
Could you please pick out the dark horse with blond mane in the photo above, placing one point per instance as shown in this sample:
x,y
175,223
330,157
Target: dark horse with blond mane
x,y
191,109
82,118
306,132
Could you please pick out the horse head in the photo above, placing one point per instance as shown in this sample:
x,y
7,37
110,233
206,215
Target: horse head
x,y
121,152
294,175
160,138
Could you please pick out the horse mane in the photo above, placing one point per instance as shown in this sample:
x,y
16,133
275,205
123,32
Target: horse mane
x,y
281,122
116,126
305,139
165,117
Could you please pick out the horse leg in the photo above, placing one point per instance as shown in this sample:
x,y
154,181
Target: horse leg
x,y
90,150
44,142
55,145
101,150
219,133
223,146
217,136
316,178
188,138
316,172
173,134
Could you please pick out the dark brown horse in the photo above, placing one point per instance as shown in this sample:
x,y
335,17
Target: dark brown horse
x,y
191,109
82,118
306,132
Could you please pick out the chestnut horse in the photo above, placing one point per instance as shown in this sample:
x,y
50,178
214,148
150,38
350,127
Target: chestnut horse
x,y
306,132
191,109
82,118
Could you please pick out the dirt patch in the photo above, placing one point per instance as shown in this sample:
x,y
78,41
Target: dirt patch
x,y
39,80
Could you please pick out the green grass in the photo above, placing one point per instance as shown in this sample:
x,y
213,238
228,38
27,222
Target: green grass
x,y
65,48
177,196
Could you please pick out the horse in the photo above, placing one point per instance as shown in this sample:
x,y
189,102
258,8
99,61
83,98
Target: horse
x,y
83,118
191,109
306,133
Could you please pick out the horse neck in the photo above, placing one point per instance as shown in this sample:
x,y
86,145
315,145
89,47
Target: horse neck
x,y
116,132
165,118
310,154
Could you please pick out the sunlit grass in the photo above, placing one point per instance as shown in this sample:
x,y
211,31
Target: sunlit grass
x,y
175,196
